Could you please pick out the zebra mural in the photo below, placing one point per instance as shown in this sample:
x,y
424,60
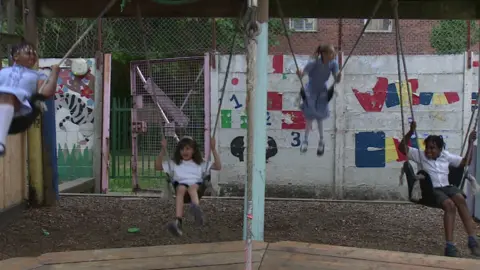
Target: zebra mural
x,y
78,113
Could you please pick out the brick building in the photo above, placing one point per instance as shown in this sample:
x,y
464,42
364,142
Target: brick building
x,y
378,39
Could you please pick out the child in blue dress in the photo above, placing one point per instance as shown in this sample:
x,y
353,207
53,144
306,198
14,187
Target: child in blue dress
x,y
18,83
315,105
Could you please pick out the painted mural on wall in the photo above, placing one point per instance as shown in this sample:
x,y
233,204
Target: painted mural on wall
x,y
388,94
74,104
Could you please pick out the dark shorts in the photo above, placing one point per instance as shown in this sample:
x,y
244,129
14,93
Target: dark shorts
x,y
444,193
176,184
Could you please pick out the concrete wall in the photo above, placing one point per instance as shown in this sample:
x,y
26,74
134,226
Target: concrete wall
x,y
360,160
74,104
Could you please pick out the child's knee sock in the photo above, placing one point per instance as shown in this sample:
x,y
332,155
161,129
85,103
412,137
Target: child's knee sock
x,y
6,116
320,129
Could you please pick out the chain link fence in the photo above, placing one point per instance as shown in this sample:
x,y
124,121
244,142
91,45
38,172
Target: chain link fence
x,y
174,37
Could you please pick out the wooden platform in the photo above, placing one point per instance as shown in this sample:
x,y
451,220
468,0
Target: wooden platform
x,y
230,256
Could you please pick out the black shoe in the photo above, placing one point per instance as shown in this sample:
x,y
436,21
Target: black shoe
x,y
450,251
175,228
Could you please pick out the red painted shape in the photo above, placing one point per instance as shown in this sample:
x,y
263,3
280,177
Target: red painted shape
x,y
297,119
452,97
277,64
274,101
475,63
373,102
235,81
414,88
401,157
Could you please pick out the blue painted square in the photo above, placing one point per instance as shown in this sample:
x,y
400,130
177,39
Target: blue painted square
x,y
392,96
426,98
370,149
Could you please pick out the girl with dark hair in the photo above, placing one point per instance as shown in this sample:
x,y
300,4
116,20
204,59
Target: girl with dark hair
x,y
435,162
187,169
18,83
315,105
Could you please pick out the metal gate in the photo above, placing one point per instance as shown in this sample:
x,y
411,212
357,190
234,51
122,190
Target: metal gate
x,y
178,104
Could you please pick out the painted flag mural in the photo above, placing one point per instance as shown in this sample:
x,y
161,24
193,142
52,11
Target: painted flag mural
x,y
374,149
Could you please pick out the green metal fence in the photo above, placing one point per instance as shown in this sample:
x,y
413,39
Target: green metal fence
x,y
121,152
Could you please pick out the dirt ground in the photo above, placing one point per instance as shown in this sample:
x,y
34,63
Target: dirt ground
x,y
79,223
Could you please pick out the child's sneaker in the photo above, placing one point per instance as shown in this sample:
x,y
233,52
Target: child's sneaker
x,y
175,227
304,147
320,149
473,246
450,251
197,214
2,149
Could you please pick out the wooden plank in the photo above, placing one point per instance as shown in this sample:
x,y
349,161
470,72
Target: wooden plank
x,y
169,262
9,187
145,252
9,38
278,260
238,266
375,255
20,264
16,165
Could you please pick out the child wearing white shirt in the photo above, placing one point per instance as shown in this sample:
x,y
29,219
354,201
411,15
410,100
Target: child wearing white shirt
x,y
187,169
435,163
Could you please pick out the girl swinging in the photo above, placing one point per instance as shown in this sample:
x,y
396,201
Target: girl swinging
x,y
435,162
187,169
17,85
315,104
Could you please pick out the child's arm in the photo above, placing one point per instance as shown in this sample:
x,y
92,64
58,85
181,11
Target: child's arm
x,y
51,85
217,164
468,157
411,153
306,69
159,160
335,71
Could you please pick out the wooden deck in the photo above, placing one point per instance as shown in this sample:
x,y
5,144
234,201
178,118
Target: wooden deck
x,y
230,256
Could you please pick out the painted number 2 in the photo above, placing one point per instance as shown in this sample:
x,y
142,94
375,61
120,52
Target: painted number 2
x,y
234,99
295,139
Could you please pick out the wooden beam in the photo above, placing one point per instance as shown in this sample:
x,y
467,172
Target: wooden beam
x,y
9,38
408,9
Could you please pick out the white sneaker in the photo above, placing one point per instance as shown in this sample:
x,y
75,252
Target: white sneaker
x,y
304,147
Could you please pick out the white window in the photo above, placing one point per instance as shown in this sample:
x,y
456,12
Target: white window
x,y
379,26
303,25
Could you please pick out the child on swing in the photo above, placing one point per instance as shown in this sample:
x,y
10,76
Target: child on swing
x,y
187,169
315,105
18,83
435,161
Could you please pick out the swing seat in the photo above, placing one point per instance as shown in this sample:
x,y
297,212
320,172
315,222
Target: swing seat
x,y
23,123
201,189
428,199
330,93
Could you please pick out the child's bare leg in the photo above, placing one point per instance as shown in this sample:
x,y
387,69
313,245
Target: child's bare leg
x,y
321,144
461,204
7,111
304,145
175,227
195,204
450,212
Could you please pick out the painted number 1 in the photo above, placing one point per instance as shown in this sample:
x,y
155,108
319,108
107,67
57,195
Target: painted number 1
x,y
295,139
268,119
234,99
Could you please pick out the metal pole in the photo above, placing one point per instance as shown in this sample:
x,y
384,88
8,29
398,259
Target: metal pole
x,y
477,167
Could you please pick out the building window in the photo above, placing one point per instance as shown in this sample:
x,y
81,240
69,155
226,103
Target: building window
x,y
379,26
303,25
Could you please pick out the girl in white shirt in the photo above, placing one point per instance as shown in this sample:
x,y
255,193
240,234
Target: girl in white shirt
x,y
187,169
435,162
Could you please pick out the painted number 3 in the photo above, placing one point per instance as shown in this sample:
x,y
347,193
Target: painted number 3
x,y
295,139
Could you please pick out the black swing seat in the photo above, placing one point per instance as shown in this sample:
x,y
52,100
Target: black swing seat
x,y
455,178
23,123
330,92
201,189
